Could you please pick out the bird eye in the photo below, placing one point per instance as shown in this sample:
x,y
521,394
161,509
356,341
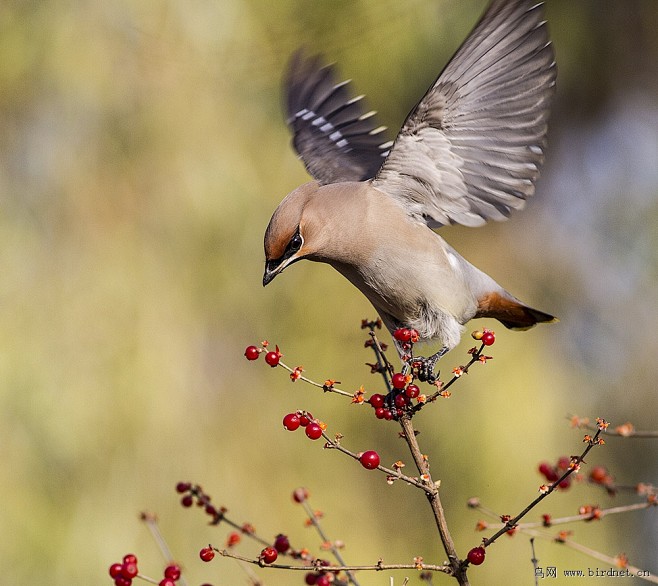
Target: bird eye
x,y
295,242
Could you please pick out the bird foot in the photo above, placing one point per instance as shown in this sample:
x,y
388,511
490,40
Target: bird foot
x,y
425,366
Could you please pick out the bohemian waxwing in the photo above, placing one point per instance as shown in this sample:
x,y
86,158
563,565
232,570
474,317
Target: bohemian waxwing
x,y
469,151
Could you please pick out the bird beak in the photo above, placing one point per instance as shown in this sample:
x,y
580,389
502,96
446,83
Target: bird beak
x,y
272,269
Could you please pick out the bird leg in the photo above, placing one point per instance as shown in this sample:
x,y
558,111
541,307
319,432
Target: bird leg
x,y
426,368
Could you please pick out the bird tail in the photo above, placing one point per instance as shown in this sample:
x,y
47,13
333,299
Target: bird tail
x,y
511,312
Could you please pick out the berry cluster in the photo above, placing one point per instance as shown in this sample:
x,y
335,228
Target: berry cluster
x,y
393,405
272,357
312,427
487,337
124,572
194,493
281,545
406,338
552,473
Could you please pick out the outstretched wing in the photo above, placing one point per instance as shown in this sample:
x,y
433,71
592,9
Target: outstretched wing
x,y
471,149
335,138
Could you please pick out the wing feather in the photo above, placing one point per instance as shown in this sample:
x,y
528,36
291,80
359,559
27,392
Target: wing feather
x,y
472,148
336,138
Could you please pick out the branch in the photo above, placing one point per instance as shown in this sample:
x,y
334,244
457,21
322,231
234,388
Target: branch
x,y
575,465
458,570
325,538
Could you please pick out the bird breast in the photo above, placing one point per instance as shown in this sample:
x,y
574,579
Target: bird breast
x,y
406,270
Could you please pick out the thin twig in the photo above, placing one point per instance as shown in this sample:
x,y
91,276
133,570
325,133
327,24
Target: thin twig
x,y
633,571
378,567
325,538
476,356
597,514
511,523
334,445
151,522
534,560
326,388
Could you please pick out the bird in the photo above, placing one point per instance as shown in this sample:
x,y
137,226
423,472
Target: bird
x,y
470,151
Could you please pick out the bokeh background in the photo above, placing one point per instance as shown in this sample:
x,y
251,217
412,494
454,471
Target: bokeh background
x,y
142,152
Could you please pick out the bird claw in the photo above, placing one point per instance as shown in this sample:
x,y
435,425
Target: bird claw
x,y
425,366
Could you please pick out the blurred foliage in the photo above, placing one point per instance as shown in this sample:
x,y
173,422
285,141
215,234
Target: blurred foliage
x,y
142,153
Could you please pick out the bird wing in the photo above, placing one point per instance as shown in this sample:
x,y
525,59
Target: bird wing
x,y
471,149
335,138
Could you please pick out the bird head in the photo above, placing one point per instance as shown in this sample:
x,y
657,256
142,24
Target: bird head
x,y
285,238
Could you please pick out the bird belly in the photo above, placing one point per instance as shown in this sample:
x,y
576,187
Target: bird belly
x,y
412,291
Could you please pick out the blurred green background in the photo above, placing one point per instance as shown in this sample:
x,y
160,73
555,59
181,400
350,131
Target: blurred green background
x,y
142,152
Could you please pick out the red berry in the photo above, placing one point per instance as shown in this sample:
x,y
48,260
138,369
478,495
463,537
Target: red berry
x,y
129,570
130,558
398,381
412,391
233,539
310,579
305,419
376,400
402,334
313,431
115,570
269,555
300,494
182,487
400,401
548,471
323,580
272,358
172,571
388,415
598,475
187,500
291,421
563,463
167,582
206,554
251,353
476,556
565,483
488,338
121,581
369,460
281,543
379,412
